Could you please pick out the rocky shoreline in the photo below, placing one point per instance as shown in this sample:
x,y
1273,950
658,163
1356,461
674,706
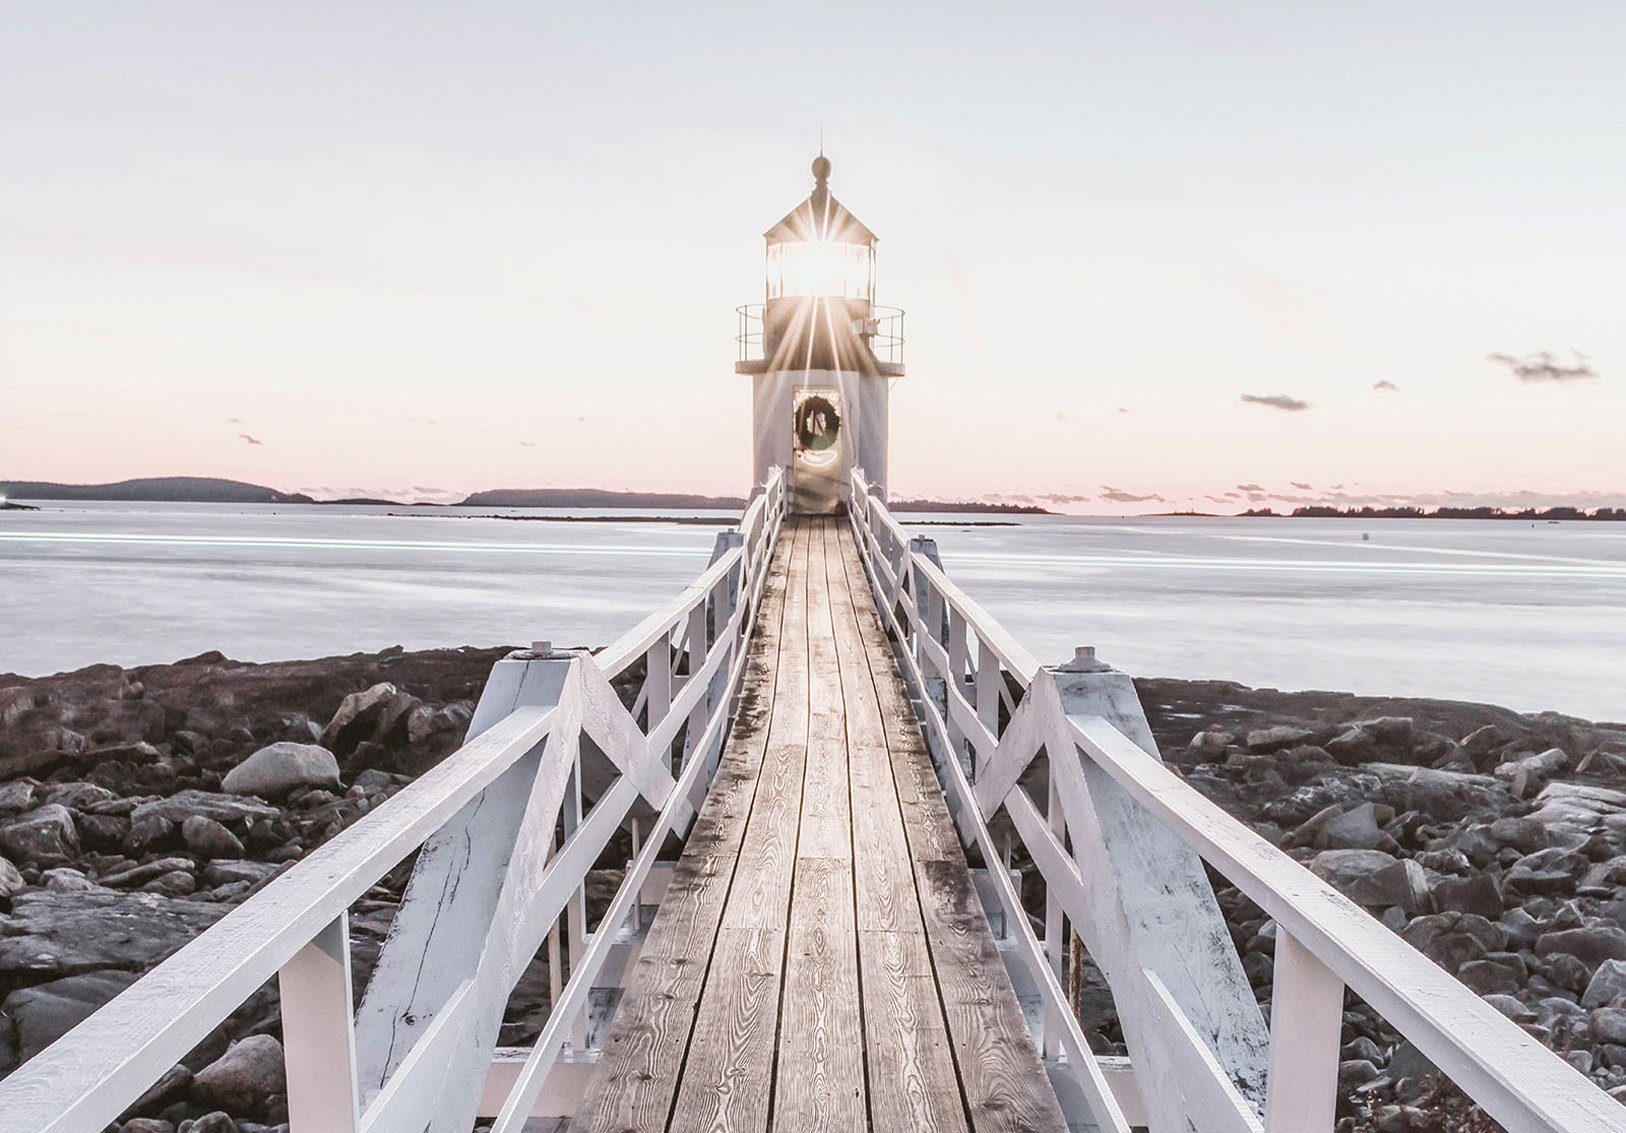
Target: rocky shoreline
x,y
138,805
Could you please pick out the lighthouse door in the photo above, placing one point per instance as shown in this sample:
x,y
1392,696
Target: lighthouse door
x,y
816,464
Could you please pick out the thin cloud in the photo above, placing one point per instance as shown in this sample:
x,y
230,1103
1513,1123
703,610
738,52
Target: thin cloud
x,y
422,421
1121,409
1250,487
1543,366
1276,401
234,420
1119,496
1302,486
249,439
527,444
1385,386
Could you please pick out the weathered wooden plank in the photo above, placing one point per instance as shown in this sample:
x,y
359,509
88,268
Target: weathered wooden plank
x,y
643,1055
760,893
1003,1081
1005,1084
727,1078
820,1077
913,1084
826,824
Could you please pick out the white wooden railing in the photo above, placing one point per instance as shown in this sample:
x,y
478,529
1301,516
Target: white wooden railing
x,y
506,846
1061,759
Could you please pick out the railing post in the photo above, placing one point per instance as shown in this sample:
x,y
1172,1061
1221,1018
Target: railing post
x,y
1306,1018
318,1040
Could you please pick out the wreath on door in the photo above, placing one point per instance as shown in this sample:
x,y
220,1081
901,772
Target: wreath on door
x,y
817,424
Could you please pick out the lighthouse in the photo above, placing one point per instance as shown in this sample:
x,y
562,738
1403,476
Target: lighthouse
x,y
821,354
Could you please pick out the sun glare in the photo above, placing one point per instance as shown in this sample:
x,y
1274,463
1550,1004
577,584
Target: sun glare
x,y
820,268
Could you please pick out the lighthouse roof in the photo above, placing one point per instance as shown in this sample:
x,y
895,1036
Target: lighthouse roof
x,y
821,217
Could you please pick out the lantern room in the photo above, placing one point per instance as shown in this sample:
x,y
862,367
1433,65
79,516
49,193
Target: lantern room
x,y
822,352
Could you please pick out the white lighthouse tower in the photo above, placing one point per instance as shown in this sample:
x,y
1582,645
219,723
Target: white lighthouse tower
x,y
821,354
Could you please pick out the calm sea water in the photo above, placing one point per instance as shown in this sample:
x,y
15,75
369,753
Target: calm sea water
x,y
1533,617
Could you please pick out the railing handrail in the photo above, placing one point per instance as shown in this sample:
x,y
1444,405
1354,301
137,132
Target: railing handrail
x,y
1511,1075
92,1073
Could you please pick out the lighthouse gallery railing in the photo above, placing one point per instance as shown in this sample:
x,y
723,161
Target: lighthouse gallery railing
x,y
296,928
990,710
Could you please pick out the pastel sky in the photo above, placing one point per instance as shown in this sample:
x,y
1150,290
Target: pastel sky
x,y
429,248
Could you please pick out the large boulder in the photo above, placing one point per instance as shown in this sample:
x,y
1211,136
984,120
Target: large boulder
x,y
44,836
373,714
1454,939
45,1012
1373,878
1276,738
1591,944
66,934
282,767
241,1080
224,809
1607,985
208,839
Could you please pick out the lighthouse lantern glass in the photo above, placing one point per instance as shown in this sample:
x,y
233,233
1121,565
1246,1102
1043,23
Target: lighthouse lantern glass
x,y
821,268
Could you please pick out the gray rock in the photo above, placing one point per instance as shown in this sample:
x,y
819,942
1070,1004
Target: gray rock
x,y
369,715
1406,1061
1352,747
223,808
1608,984
1355,829
17,795
146,1125
282,767
244,1077
208,838
45,1012
65,934
224,872
216,1122
372,780
1485,977
1511,1007
1367,877
1354,1071
11,880
1454,939
1592,945
44,836
1553,870
1476,894
141,874
78,796
1533,769
148,831
174,1082
176,883
1274,739
1609,1025
1390,731
65,880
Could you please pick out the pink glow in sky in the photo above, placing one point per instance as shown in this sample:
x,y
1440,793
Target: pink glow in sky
x,y
422,250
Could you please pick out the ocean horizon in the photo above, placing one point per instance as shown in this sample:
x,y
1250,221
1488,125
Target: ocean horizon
x,y
1529,616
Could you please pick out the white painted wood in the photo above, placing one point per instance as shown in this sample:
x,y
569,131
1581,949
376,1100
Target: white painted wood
x,y
319,1048
413,1092
430,949
1208,1097
1306,1018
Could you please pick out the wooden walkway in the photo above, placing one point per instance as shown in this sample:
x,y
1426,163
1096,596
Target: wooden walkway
x,y
820,960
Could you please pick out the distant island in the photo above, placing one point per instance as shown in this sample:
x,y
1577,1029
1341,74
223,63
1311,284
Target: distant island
x,y
967,507
213,490
1550,514
160,489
